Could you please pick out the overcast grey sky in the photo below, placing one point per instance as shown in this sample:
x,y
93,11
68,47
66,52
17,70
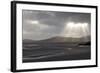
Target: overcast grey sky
x,y
38,25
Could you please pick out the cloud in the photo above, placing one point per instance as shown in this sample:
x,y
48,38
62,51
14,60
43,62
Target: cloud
x,y
38,25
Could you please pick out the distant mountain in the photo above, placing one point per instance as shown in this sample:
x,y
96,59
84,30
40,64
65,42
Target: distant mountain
x,y
25,41
63,39
56,39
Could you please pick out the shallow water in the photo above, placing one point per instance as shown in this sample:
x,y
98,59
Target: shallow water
x,y
56,53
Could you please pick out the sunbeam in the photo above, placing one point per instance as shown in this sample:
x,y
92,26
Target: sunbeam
x,y
76,30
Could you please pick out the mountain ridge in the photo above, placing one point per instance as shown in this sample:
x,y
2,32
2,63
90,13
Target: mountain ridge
x,y
59,39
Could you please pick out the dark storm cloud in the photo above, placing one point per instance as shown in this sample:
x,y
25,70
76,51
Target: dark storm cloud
x,y
48,23
79,17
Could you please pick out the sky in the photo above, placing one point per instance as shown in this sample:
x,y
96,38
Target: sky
x,y
39,25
